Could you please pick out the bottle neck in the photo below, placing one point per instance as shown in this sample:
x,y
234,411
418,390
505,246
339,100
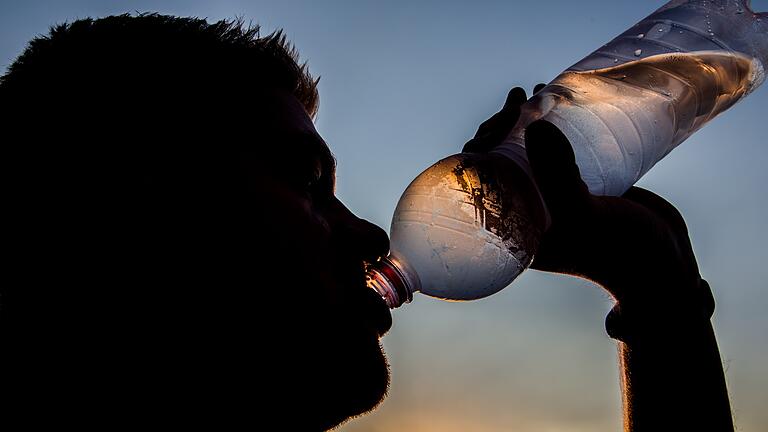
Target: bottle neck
x,y
393,281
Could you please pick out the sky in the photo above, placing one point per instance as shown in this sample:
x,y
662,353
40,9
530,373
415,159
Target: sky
x,y
404,84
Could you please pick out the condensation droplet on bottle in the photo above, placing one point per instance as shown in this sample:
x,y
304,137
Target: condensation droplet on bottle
x,y
739,11
638,52
661,30
641,35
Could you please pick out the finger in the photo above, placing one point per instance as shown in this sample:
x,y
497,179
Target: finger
x,y
660,207
500,125
486,137
510,111
672,218
515,98
493,131
554,168
538,88
488,126
478,145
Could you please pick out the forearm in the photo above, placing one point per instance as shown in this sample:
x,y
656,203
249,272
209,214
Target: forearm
x,y
671,372
674,382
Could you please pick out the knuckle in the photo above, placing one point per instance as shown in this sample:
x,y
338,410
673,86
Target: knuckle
x,y
659,205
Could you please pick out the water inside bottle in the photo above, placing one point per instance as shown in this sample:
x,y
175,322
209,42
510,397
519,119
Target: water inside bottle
x,y
619,119
466,226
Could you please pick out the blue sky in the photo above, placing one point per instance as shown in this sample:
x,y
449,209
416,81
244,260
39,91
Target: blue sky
x,y
405,83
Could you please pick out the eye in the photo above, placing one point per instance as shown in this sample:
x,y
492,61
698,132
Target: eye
x,y
311,179
306,186
308,181
314,178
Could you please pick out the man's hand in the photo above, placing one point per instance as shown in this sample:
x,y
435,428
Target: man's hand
x,y
493,131
631,245
627,244
636,247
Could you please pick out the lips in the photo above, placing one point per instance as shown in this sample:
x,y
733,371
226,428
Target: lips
x,y
376,311
367,307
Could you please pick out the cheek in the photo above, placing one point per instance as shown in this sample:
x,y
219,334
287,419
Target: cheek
x,y
300,244
291,220
306,235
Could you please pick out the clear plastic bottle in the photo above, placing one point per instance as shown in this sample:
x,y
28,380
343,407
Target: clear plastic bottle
x,y
470,224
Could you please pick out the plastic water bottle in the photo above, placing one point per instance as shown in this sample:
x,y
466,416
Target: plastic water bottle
x,y
469,225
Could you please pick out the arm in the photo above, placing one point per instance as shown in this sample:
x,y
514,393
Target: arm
x,y
637,248
672,378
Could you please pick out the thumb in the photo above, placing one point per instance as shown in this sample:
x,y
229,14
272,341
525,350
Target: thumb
x,y
515,98
554,168
493,131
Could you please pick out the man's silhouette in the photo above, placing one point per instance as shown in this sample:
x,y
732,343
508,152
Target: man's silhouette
x,y
178,253
178,257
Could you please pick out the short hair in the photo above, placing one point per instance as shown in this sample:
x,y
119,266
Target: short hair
x,y
130,55
86,207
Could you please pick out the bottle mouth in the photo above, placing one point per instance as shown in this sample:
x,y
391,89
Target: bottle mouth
x,y
390,282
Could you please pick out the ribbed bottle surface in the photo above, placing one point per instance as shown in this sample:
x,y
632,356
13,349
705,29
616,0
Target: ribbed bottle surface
x,y
622,120
631,102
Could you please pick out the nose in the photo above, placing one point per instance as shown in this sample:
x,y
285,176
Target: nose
x,y
358,236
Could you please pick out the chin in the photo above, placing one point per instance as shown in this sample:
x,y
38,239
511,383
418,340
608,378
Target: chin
x,y
366,386
361,387
374,389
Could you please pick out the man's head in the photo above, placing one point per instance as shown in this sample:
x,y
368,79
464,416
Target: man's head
x,y
168,173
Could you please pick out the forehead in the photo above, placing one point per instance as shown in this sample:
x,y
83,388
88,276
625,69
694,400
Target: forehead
x,y
285,126
281,112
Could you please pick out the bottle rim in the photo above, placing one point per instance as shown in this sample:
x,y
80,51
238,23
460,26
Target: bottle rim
x,y
386,278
